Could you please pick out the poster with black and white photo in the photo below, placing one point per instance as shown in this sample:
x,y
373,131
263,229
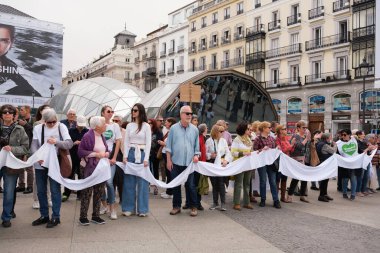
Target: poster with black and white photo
x,y
30,59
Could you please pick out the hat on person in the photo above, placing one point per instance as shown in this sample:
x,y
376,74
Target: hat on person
x,y
81,121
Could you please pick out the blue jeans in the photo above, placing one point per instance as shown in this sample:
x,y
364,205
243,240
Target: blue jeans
x,y
9,194
263,172
42,177
353,180
189,186
365,178
110,194
130,184
199,197
359,180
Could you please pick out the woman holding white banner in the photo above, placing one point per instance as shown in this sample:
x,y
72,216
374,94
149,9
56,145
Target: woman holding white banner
x,y
217,151
92,148
242,146
57,134
138,138
13,138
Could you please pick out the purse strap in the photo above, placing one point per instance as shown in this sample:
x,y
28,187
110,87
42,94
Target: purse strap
x,y
43,133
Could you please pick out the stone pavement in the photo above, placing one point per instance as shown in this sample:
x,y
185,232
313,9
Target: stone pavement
x,y
340,226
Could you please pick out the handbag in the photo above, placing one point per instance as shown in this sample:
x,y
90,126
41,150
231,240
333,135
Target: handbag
x,y
314,159
64,158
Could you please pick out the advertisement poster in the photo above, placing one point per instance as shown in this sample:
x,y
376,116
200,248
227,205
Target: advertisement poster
x,y
317,104
294,106
342,102
372,100
30,59
277,105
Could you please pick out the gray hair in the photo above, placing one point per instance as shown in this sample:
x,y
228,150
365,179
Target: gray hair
x,y
117,116
97,121
325,136
369,136
183,107
202,128
48,114
71,110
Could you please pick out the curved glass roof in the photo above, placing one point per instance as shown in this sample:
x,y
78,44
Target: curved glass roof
x,y
88,96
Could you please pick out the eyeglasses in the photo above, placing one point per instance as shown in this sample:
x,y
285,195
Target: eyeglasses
x,y
283,129
344,134
109,111
188,113
135,110
221,132
51,122
8,112
160,120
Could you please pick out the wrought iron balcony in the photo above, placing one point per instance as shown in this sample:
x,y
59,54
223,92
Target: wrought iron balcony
x,y
363,32
274,25
162,73
203,25
225,64
151,71
180,69
283,51
328,41
127,80
202,67
137,76
202,47
255,30
226,40
238,61
181,48
170,71
227,16
294,19
214,21
359,2
239,36
193,29
282,83
171,51
341,5
239,12
144,56
213,66
153,55
371,72
193,49
162,54
258,5
317,12
255,58
213,43
328,77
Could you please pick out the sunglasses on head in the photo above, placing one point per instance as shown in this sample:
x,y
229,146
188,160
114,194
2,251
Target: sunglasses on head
x,y
51,122
8,112
188,113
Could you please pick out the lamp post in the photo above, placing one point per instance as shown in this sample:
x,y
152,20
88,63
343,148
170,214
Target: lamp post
x,y
364,69
33,95
51,90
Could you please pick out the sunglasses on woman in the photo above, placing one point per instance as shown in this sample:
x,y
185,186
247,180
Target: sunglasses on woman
x,y
8,112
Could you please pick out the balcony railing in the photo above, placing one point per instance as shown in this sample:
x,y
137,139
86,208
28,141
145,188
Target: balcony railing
x,y
283,51
137,76
274,25
193,29
162,53
127,80
255,30
371,72
225,64
202,67
213,43
317,12
341,5
258,5
181,48
239,36
358,2
328,41
294,19
226,40
214,21
192,49
239,12
180,68
238,61
328,77
162,73
153,55
254,58
213,66
151,71
144,56
202,47
170,71
137,59
363,31
282,83
227,16
203,25
171,51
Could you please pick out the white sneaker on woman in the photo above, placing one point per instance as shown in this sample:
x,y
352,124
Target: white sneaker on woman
x,y
36,205
113,215
103,209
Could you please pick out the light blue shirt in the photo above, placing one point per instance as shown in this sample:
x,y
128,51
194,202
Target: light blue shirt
x,y
183,144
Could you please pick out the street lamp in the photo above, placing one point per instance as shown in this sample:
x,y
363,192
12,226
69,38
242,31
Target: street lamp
x,y
33,95
51,90
364,69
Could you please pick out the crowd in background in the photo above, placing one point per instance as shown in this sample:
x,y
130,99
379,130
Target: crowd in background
x,y
167,147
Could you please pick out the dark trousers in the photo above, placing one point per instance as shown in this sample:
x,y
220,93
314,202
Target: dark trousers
x,y
30,178
197,176
118,181
75,170
154,166
218,189
85,200
169,191
323,187
293,185
340,177
189,186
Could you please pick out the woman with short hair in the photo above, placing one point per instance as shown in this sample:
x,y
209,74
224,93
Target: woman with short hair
x,y
154,161
92,148
52,132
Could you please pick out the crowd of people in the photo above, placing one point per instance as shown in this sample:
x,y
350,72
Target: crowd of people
x,y
167,148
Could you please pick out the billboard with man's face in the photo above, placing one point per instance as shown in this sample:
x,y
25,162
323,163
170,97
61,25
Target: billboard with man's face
x,y
30,60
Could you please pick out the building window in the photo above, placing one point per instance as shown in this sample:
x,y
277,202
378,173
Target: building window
x,y
257,3
227,13
192,64
294,74
215,18
202,63
341,66
275,76
214,63
193,26
317,37
239,8
127,60
316,70
204,22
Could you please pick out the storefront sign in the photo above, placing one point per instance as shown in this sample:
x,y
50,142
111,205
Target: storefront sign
x,y
372,100
294,106
277,105
341,117
317,104
342,102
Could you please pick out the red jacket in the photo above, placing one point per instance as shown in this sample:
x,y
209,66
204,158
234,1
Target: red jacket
x,y
202,148
285,145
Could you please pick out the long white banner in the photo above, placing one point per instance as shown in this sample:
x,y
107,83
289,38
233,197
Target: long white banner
x,y
288,167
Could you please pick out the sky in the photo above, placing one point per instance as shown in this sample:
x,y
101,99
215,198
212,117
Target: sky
x,y
90,25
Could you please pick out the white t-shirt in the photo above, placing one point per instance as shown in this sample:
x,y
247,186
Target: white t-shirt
x,y
144,137
50,132
112,134
349,148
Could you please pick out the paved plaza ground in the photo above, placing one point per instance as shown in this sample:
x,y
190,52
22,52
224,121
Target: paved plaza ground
x,y
340,226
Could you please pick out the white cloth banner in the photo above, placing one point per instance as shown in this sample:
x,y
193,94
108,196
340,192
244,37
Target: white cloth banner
x,y
102,172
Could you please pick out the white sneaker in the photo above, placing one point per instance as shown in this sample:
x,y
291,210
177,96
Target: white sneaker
x,y
143,215
113,215
50,203
36,205
103,210
127,213
166,196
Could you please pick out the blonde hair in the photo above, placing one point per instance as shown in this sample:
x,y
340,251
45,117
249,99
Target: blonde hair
x,y
278,129
215,131
255,125
263,125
